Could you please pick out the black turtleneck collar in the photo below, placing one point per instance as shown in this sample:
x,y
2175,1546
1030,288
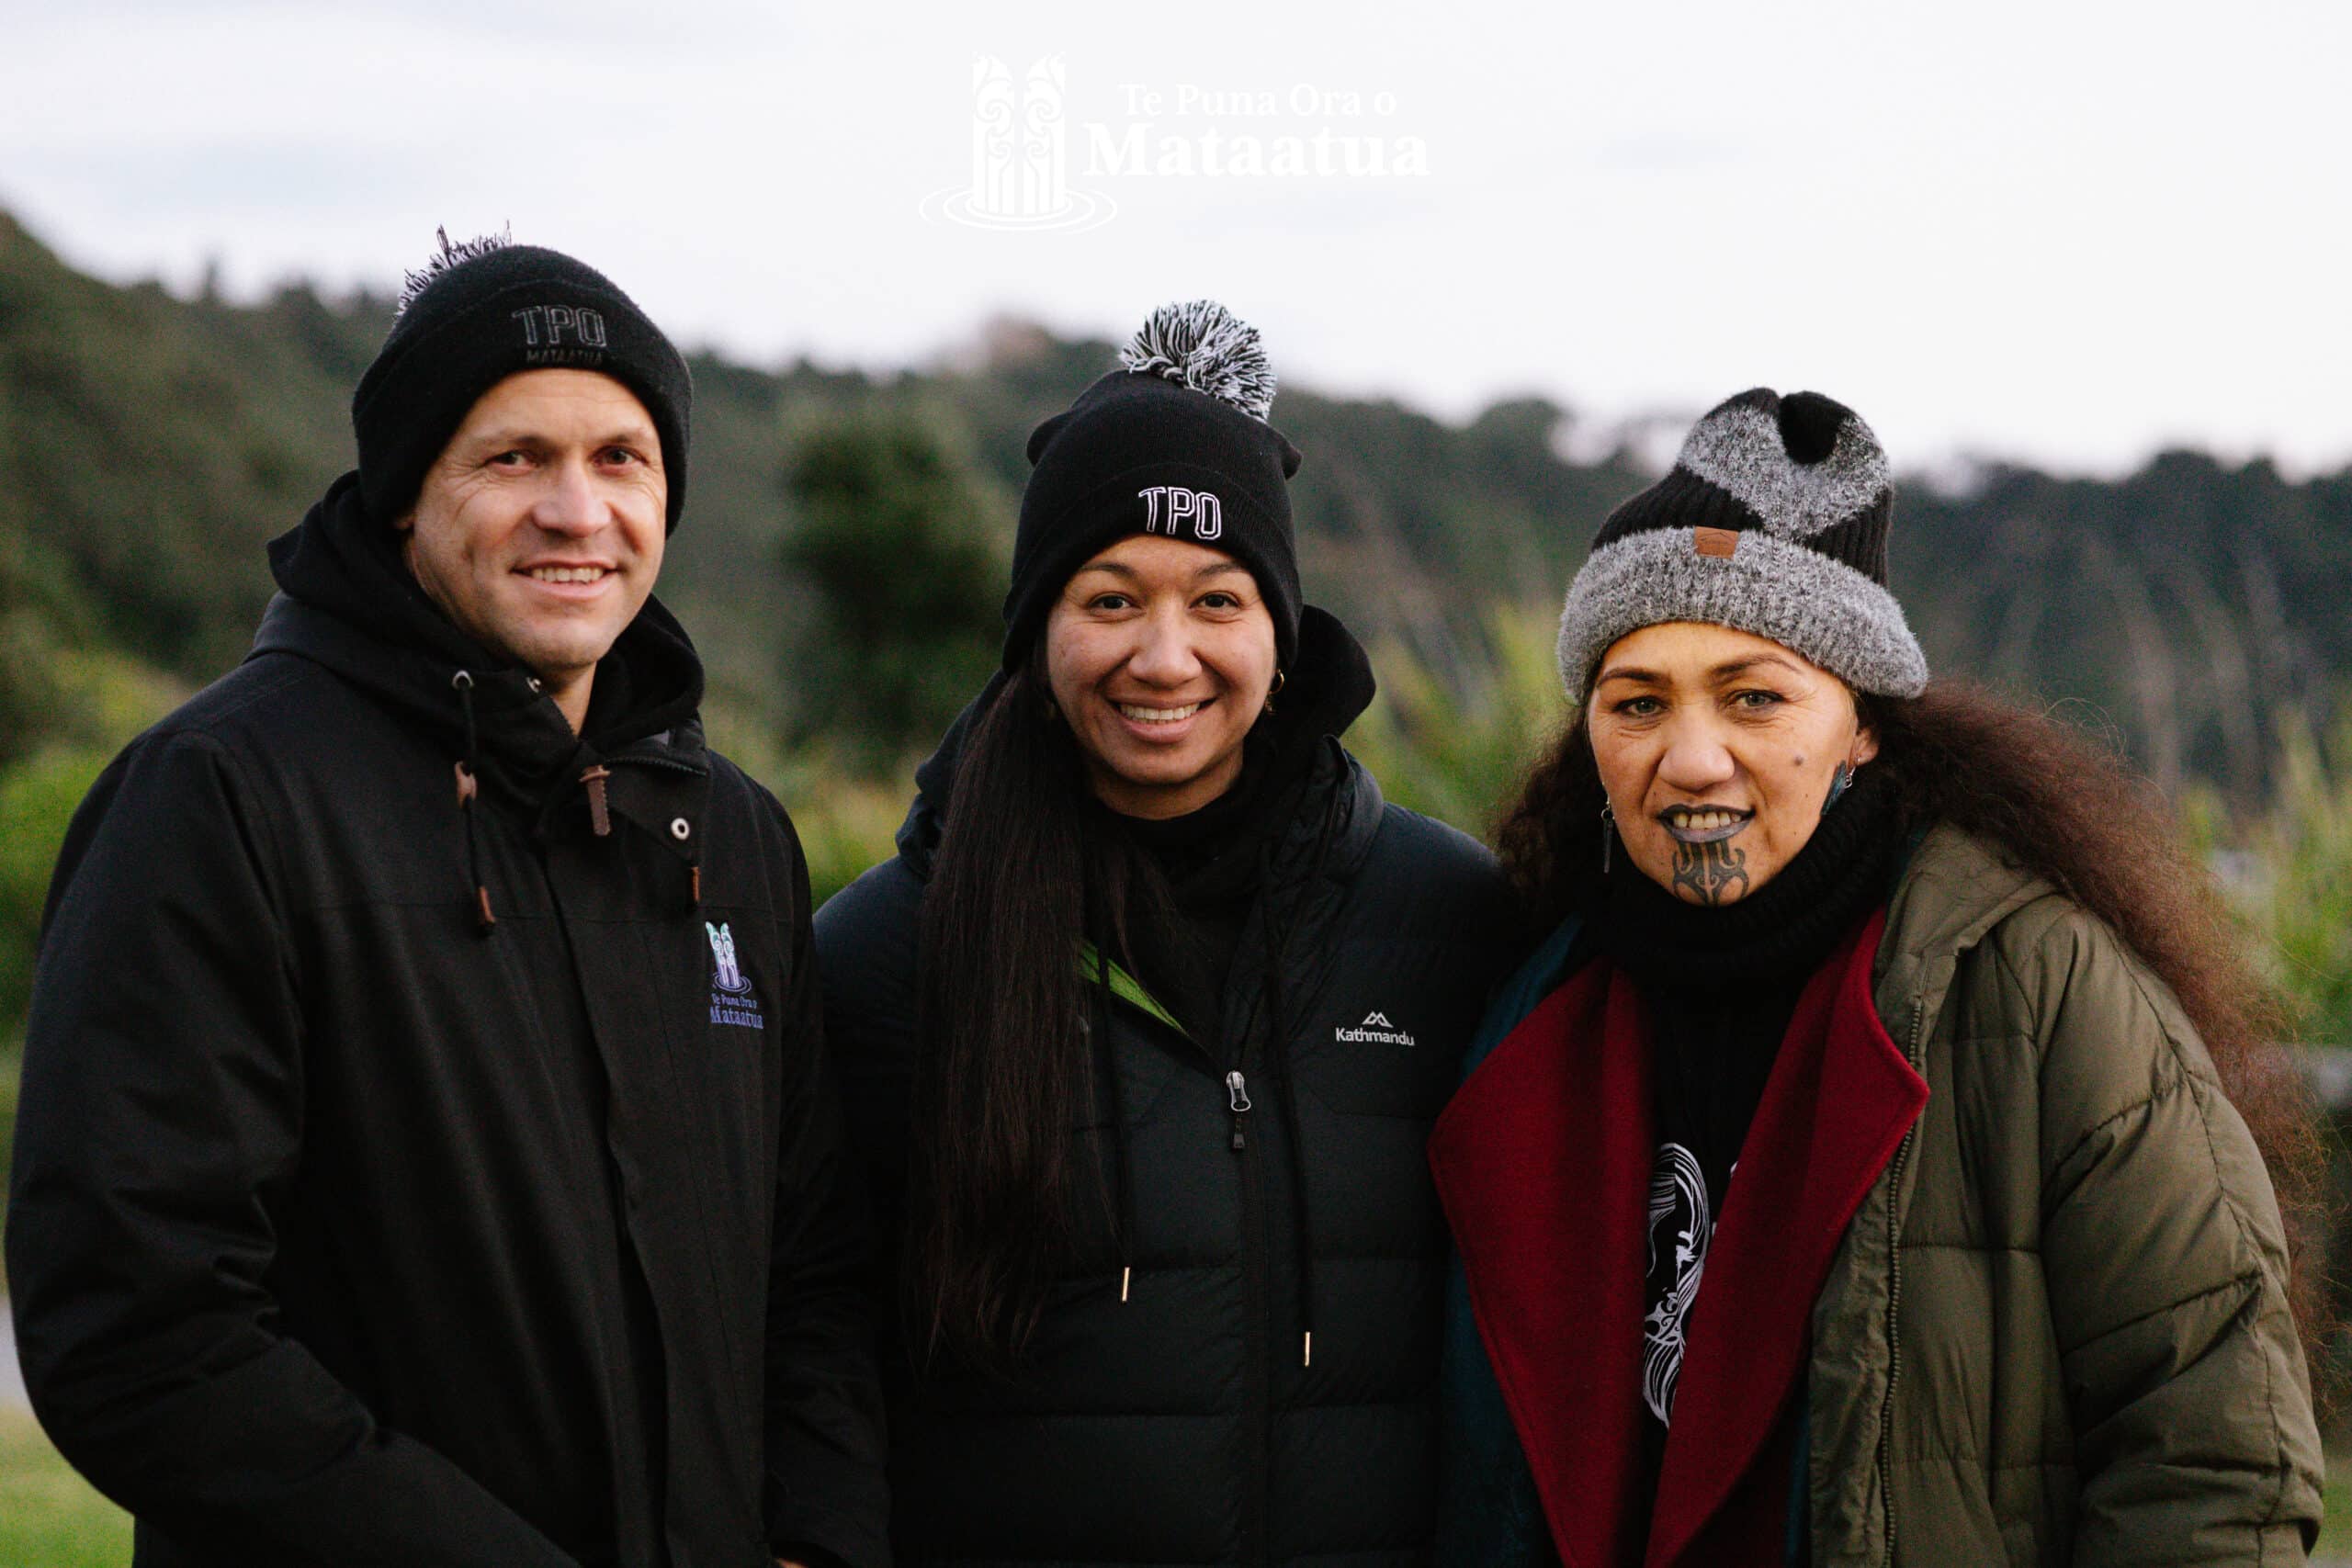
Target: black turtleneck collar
x,y
1782,930
1212,854
1196,851
1195,878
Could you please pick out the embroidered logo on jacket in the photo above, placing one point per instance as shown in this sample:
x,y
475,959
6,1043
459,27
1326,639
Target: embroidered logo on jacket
x,y
1376,1027
732,1000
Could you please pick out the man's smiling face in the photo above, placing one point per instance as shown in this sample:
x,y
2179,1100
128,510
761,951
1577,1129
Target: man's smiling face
x,y
539,528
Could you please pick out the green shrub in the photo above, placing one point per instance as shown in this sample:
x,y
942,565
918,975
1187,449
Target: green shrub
x,y
50,1517
37,800
2290,876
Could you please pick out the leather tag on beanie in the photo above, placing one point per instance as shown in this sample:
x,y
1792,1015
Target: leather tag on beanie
x,y
1720,543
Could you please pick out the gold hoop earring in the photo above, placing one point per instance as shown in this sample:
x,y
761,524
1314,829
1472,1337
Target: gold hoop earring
x,y
1282,679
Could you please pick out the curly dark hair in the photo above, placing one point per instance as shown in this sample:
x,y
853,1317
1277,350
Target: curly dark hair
x,y
2070,811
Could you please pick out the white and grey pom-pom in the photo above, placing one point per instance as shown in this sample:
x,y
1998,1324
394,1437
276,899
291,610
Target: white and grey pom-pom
x,y
1202,345
447,256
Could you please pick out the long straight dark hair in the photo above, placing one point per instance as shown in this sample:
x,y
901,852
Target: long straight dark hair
x,y
2067,810
1018,883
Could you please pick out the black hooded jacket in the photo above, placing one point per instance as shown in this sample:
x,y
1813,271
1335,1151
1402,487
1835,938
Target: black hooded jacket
x,y
1186,1424
344,1231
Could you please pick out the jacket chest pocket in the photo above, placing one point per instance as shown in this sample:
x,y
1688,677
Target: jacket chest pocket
x,y
723,987
1154,1125
1371,1080
1144,1064
1382,1047
1364,1066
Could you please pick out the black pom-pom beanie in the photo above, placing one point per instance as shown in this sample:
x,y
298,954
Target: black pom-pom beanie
x,y
1174,444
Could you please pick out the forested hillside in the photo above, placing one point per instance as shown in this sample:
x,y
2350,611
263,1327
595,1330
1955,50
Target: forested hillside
x,y
153,444
842,557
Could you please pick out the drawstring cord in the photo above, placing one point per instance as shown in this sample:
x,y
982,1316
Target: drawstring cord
x,y
1278,1055
468,790
593,781
1123,1219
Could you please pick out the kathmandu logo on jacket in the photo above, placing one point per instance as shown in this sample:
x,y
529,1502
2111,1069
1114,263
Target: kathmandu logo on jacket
x,y
732,1000
1376,1028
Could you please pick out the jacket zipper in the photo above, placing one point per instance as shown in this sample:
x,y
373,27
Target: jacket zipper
x,y
1895,1296
1257,1411
642,760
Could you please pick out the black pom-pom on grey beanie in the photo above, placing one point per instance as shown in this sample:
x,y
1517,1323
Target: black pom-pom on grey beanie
x,y
478,312
1773,520
1174,442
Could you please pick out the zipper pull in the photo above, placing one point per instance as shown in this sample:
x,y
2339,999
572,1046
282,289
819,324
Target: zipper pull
x,y
600,816
1236,1094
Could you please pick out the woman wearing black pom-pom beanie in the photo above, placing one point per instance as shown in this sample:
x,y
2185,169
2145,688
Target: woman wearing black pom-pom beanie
x,y
1143,1030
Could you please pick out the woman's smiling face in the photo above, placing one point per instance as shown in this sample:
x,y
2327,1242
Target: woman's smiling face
x,y
1717,748
1160,655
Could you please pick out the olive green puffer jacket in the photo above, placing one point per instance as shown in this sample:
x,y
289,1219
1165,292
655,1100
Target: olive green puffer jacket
x,y
2057,1330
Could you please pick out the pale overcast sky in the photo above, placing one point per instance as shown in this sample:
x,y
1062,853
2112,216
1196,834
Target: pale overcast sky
x,y
2063,234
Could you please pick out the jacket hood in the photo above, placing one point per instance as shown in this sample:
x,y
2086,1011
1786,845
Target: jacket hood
x,y
1329,688
1955,888
348,602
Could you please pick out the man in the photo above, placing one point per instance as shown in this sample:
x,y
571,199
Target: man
x,y
424,1155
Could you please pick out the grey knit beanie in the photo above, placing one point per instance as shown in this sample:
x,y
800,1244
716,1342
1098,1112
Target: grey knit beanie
x,y
1772,521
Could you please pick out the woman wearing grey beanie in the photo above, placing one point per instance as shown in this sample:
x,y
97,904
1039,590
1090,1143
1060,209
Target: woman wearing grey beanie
x,y
1871,1166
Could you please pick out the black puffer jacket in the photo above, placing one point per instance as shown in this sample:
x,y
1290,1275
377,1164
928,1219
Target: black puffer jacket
x,y
1179,1426
344,1233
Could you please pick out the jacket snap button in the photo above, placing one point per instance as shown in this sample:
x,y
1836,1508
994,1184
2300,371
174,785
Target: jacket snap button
x,y
679,827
